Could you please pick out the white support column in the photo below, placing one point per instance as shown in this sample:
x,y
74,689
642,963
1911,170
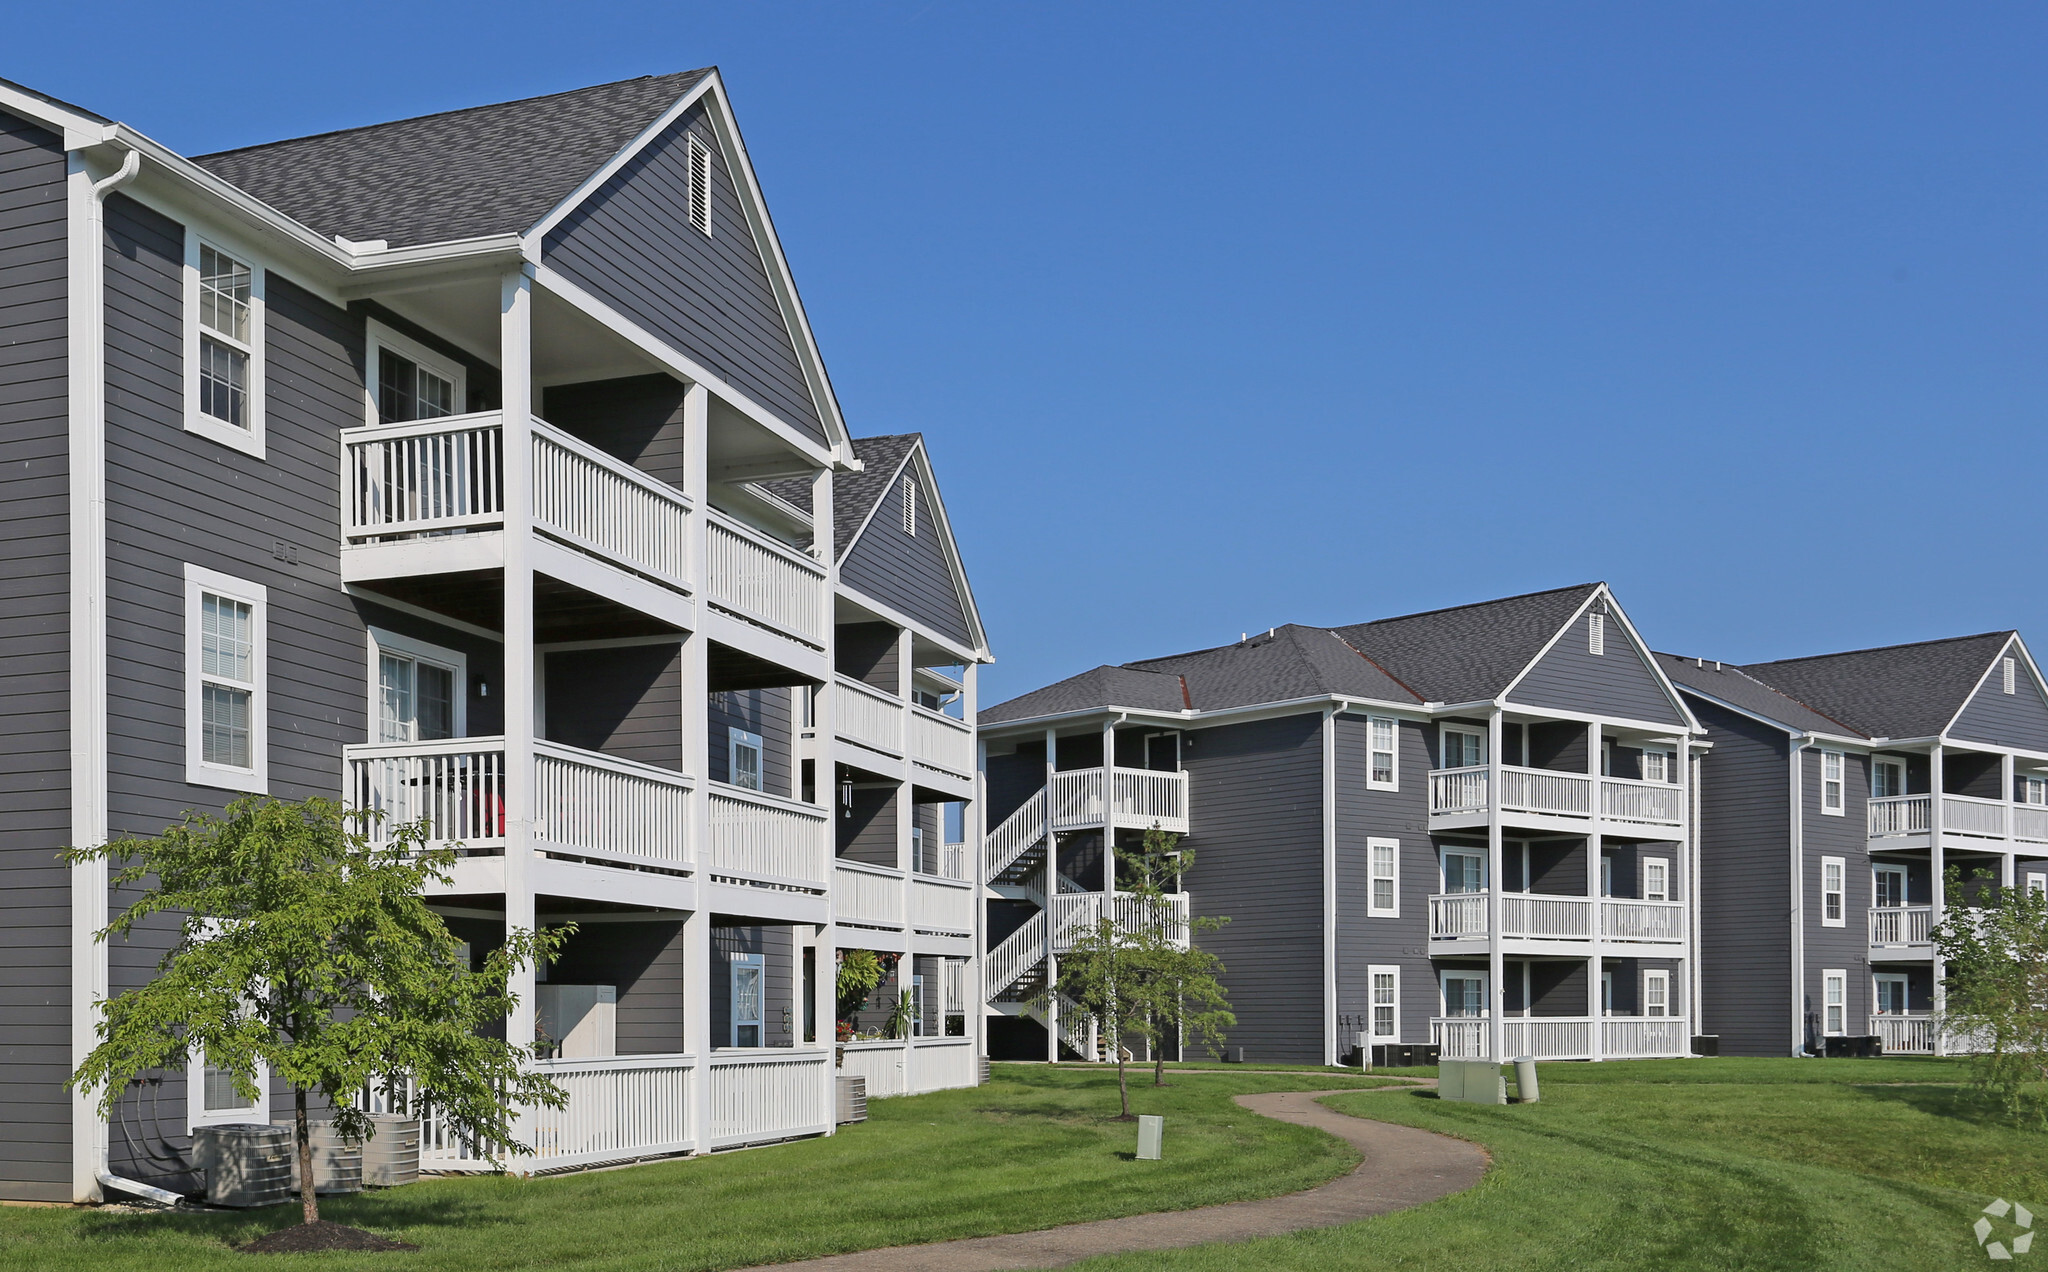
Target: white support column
x,y
1695,836
1108,817
824,992
696,761
974,831
1052,889
522,669
1596,963
2007,778
1496,963
1332,1044
1937,868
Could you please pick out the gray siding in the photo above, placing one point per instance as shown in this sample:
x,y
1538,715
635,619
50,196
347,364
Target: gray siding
x,y
484,714
626,702
35,759
2018,719
869,653
631,246
645,962
638,419
1619,682
911,572
776,944
1745,830
1362,941
1255,800
866,831
762,711
1846,947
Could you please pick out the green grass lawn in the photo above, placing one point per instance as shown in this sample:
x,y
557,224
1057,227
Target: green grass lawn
x,y
1032,1149
1707,1164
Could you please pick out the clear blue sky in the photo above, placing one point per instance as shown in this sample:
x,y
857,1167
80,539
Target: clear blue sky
x,y
1222,317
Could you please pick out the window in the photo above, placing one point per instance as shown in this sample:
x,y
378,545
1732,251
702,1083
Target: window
x,y
1655,766
2038,884
2009,671
700,188
1464,872
1386,1002
1656,993
1888,887
917,857
1462,748
743,759
1832,906
747,975
418,689
409,381
211,1098
1606,875
1464,994
1887,777
223,346
224,701
956,822
1889,992
1835,1001
1383,896
1607,993
909,506
1596,634
1831,782
2033,790
1382,771
1656,879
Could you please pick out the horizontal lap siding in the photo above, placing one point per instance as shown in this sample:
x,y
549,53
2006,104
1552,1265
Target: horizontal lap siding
x,y
626,702
908,571
1618,682
1255,801
1745,829
1403,940
1845,948
762,711
644,963
35,758
2017,719
631,246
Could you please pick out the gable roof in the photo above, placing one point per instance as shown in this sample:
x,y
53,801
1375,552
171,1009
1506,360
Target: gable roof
x,y
1102,686
1288,663
1743,691
1897,691
460,174
1468,652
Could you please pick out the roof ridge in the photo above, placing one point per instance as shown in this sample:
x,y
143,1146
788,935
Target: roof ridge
x,y
1761,683
444,114
1879,649
1452,609
1376,664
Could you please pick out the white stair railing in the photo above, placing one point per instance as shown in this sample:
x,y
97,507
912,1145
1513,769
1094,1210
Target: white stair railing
x,y
1020,832
1015,955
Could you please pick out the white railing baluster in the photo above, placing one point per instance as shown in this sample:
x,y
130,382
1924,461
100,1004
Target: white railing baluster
x,y
868,716
941,742
766,837
766,1095
867,894
425,476
765,582
608,507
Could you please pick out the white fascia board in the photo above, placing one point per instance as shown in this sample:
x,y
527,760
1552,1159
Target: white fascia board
x,y
679,365
917,457
533,238
250,208
1985,678
1200,718
867,519
891,614
79,128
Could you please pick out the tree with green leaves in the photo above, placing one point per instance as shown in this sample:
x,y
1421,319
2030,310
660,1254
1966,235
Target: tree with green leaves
x,y
307,949
1136,970
1994,942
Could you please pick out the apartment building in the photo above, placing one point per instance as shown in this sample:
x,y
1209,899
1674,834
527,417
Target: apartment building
x,y
1838,791
1471,827
478,467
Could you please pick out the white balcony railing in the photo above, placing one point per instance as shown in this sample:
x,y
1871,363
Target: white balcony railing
x,y
769,1094
1564,1037
871,895
941,742
427,476
866,715
1529,916
1968,815
1529,790
608,507
1898,815
1137,799
1554,794
1642,920
941,907
1651,803
1965,815
1457,916
766,838
601,806
1904,1033
1645,1037
763,581
1901,925
619,1107
2030,822
456,784
1458,790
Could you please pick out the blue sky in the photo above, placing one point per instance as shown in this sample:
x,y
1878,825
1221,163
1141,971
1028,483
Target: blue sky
x,y
1223,317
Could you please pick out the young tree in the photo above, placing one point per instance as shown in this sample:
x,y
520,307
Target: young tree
x,y
1995,944
306,948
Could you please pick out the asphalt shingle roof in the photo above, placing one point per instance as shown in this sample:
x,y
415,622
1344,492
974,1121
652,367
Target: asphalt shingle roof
x,y
1899,691
1469,652
1736,687
1292,662
1103,686
459,174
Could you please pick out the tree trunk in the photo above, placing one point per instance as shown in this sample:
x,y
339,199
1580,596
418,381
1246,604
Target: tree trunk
x,y
1159,1066
1123,1086
309,1199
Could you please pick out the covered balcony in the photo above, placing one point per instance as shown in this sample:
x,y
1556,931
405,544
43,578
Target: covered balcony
x,y
1458,922
1565,1037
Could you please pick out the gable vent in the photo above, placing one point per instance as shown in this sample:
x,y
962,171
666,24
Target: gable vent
x,y
2011,672
700,188
909,506
1596,633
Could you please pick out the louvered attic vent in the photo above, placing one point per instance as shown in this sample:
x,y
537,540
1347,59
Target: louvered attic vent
x,y
909,506
1596,633
700,188
2012,675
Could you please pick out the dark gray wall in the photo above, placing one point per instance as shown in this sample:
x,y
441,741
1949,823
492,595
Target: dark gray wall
x,y
1616,683
777,944
866,832
1745,891
638,419
1012,779
1846,947
631,246
484,696
35,758
626,702
2018,719
1361,940
762,711
910,572
1255,800
869,653
645,962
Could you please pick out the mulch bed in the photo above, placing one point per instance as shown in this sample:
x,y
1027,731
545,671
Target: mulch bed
x,y
307,1237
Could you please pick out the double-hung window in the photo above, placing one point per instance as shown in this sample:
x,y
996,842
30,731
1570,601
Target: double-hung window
x,y
1385,981
1887,777
1656,879
1657,993
1831,785
1833,902
1835,1001
409,381
419,689
223,345
2037,884
1464,872
225,702
1463,748
1383,882
2034,790
1382,769
1655,766
743,759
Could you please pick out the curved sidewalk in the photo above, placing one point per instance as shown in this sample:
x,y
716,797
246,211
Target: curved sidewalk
x,y
1402,1167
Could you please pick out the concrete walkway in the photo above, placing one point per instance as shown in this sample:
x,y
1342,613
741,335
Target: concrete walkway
x,y
1403,1167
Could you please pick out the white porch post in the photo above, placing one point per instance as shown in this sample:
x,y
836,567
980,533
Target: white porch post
x,y
1596,963
696,761
1496,963
1052,889
1937,866
522,670
1108,816
973,831
824,787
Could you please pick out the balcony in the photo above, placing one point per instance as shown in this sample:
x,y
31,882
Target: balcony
x,y
867,896
1459,797
767,840
1904,1033
768,1094
910,1066
620,1108
867,716
1136,799
942,743
1458,921
1901,931
1565,1037
763,582
1904,821
941,908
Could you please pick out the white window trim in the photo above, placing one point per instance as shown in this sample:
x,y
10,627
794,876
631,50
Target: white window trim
x,y
380,338
1841,866
1841,805
196,1113
2009,674
1449,974
1372,973
1830,977
1878,869
383,642
254,780
1885,761
1664,865
1393,782
2037,884
735,738
733,1021
1478,854
1374,910
1657,976
1663,761
1877,999
1443,745
250,440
